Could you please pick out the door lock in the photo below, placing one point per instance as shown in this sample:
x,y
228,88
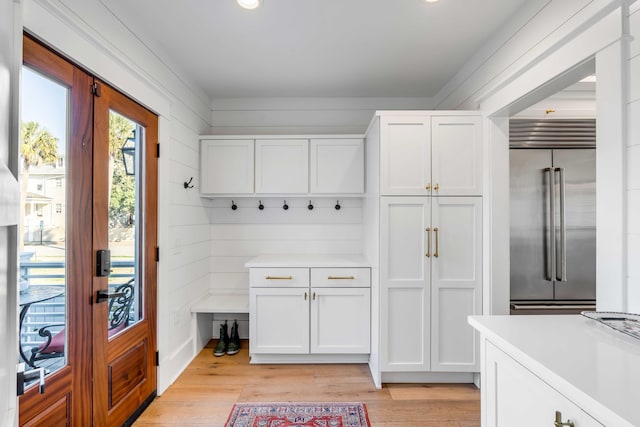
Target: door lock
x,y
103,262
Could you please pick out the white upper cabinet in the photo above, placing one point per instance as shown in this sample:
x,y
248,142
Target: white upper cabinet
x,y
226,166
282,166
405,155
456,151
337,166
430,155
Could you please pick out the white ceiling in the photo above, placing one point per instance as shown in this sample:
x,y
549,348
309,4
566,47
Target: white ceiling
x,y
316,48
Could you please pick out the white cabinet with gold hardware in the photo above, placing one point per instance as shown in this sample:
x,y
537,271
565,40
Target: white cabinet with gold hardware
x,y
430,153
279,320
226,166
535,366
430,275
520,398
282,166
316,306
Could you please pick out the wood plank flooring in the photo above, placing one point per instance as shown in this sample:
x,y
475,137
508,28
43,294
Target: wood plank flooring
x,y
206,391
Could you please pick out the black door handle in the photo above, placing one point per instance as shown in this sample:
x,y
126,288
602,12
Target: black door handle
x,y
103,295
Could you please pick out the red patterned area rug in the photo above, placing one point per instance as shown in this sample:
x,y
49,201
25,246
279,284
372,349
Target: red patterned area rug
x,y
295,414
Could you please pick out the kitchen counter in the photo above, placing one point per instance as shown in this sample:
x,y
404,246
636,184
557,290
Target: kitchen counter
x,y
595,367
307,260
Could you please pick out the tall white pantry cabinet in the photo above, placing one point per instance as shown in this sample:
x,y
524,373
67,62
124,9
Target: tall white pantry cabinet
x,y
426,178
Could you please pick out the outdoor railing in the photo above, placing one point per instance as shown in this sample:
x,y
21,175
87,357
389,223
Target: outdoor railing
x,y
39,274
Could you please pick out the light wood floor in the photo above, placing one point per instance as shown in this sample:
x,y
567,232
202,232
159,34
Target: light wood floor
x,y
206,391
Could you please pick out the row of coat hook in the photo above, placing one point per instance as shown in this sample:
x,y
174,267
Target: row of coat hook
x,y
285,206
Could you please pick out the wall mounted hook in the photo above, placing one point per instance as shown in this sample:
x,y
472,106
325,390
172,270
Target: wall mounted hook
x,y
187,184
285,206
310,206
338,205
261,206
233,205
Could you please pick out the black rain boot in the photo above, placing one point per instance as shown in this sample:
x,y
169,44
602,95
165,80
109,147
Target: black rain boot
x,y
223,342
234,342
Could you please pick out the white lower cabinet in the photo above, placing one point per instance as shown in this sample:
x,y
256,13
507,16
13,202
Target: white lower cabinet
x,y
288,315
279,320
431,278
340,320
514,396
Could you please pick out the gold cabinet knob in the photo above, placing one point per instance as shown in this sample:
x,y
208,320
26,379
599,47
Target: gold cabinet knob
x,y
436,188
428,186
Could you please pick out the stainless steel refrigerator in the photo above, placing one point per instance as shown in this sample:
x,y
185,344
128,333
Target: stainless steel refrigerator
x,y
553,230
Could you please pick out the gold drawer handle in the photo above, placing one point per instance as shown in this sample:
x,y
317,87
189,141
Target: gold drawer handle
x,y
428,230
340,277
278,277
435,230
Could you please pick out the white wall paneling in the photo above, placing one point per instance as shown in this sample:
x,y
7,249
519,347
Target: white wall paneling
x,y
90,34
10,62
287,116
633,164
239,235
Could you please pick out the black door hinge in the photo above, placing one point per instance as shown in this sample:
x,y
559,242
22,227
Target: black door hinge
x,y
96,90
158,150
157,358
157,253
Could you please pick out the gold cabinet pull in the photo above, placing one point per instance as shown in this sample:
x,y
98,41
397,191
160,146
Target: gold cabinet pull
x,y
314,296
428,186
436,187
558,422
305,296
340,277
278,277
428,254
435,230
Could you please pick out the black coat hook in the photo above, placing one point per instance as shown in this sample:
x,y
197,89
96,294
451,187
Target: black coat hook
x,y
338,205
187,184
233,205
261,206
285,206
310,206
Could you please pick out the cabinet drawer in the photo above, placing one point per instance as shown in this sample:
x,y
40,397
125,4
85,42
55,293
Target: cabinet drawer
x,y
279,277
341,277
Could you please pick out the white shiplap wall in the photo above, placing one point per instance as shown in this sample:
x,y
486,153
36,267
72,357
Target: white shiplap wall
x,y
237,236
633,163
88,32
299,116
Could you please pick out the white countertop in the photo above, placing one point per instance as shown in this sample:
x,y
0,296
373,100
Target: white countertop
x,y
307,260
596,367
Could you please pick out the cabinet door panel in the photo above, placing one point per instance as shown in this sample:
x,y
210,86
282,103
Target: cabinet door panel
x,y
226,166
337,166
405,155
403,240
456,147
282,166
279,321
404,273
340,320
456,282
405,331
515,396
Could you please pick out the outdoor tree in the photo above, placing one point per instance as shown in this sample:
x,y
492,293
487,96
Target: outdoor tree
x,y
39,147
121,186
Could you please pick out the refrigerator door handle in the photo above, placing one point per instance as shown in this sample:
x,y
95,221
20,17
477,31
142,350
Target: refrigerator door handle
x,y
551,243
562,276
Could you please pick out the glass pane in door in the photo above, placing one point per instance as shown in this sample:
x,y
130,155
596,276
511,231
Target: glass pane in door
x,y
42,237
125,141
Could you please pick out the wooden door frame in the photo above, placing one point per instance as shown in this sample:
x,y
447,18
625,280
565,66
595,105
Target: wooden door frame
x,y
66,389
104,350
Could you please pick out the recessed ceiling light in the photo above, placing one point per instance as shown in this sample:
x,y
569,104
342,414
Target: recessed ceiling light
x,y
249,4
431,1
